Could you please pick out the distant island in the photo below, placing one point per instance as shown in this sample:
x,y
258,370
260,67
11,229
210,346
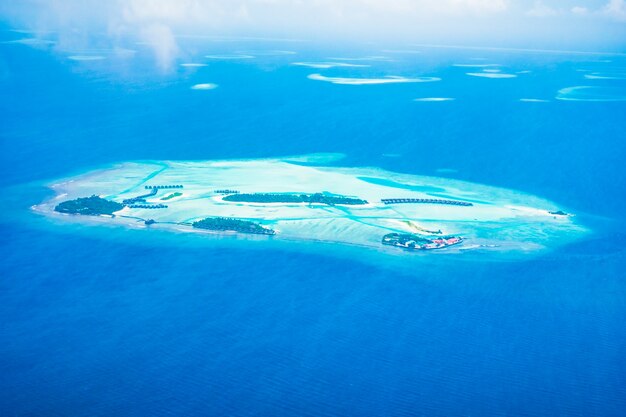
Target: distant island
x,y
226,224
367,207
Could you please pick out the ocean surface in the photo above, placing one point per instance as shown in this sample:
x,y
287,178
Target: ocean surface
x,y
104,321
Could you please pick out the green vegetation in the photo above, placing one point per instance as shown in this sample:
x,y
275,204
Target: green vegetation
x,y
89,206
230,224
294,198
173,195
405,239
412,241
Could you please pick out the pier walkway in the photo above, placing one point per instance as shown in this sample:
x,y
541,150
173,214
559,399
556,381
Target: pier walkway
x,y
162,187
424,201
140,198
148,206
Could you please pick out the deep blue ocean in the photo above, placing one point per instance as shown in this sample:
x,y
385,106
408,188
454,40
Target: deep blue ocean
x,y
104,321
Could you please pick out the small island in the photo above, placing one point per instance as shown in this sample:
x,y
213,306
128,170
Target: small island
x,y
417,242
225,224
318,198
170,196
89,206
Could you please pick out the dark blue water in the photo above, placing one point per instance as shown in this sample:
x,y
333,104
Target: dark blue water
x,y
99,321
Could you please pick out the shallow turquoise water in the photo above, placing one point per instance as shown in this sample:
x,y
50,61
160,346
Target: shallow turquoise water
x,y
104,321
388,183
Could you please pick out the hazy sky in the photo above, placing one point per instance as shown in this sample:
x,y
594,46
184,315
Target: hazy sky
x,y
596,24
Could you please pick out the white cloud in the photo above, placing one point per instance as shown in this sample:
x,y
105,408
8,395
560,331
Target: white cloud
x,y
161,39
156,23
159,23
482,6
615,9
540,9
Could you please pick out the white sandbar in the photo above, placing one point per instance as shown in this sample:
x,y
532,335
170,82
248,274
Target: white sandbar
x,y
205,86
390,79
327,65
86,57
433,99
491,75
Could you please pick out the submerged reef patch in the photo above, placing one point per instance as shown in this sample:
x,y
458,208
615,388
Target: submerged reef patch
x,y
592,93
389,79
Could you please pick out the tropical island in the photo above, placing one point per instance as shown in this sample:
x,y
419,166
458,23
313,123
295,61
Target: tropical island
x,y
89,206
420,242
226,224
367,207
319,198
